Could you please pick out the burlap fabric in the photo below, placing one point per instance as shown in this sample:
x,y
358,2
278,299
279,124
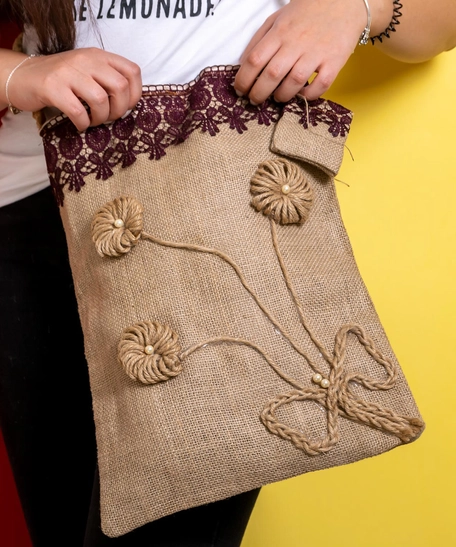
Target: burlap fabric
x,y
230,339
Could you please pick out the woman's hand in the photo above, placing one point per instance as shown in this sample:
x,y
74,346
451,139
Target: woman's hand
x,y
304,37
108,83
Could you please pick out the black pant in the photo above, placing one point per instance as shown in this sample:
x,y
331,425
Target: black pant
x,y
45,405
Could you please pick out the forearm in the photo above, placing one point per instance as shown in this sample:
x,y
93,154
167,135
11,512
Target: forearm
x,y
426,29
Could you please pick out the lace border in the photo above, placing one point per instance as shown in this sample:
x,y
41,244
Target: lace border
x,y
167,115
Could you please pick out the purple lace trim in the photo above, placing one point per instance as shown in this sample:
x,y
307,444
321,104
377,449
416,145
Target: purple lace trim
x,y
167,116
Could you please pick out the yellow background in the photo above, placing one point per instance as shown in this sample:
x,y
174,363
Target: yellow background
x,y
399,211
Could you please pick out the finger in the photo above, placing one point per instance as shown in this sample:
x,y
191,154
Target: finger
x,y
96,97
120,77
132,73
257,37
272,76
117,88
254,63
70,105
294,81
321,83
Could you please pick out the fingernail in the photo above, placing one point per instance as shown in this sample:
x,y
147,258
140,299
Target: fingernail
x,y
253,103
239,93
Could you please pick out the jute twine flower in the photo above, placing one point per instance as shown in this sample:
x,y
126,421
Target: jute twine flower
x,y
117,226
149,352
281,191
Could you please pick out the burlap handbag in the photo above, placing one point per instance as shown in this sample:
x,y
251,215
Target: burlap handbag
x,y
230,339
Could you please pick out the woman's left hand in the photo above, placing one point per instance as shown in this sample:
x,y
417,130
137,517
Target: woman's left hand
x,y
304,37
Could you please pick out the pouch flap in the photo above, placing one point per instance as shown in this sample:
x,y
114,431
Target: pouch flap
x,y
313,132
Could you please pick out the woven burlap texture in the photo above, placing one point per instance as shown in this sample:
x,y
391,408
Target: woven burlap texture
x,y
198,437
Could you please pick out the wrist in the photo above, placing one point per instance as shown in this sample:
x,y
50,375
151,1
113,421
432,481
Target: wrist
x,y
382,13
9,60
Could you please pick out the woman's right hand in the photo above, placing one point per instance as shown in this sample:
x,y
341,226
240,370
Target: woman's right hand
x,y
110,84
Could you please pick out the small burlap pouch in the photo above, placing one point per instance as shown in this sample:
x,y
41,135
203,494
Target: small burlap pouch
x,y
230,339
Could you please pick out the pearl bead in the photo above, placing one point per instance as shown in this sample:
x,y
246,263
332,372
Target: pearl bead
x,y
149,350
286,189
324,383
119,223
317,378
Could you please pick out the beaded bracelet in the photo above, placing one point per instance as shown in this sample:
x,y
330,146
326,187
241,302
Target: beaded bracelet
x,y
397,6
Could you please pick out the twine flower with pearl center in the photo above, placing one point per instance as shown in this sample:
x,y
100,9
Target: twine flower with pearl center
x,y
281,191
117,226
150,352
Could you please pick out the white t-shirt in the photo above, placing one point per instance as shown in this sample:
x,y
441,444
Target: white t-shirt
x,y
171,40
